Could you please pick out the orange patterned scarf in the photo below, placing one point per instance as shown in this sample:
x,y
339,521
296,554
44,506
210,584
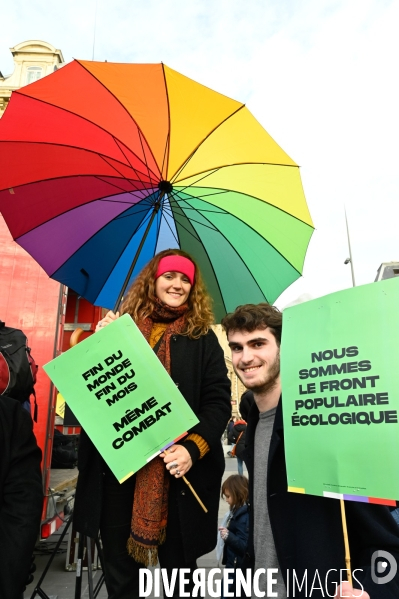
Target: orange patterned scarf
x,y
150,503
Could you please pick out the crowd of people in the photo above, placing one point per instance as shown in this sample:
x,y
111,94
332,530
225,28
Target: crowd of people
x,y
153,518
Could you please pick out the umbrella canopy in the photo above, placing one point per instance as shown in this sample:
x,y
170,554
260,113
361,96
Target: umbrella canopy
x,y
105,164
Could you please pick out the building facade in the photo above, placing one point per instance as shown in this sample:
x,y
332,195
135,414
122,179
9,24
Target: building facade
x,y
33,60
237,388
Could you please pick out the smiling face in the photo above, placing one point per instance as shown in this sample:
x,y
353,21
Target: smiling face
x,y
256,359
173,288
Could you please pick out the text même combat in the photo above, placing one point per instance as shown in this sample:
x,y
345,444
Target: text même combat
x,y
111,382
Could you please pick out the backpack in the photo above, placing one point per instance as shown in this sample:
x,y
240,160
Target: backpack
x,y
17,367
65,450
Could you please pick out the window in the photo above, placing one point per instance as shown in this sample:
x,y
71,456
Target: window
x,y
34,73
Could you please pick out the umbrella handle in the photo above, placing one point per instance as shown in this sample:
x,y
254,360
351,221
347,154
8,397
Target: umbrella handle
x,y
190,487
74,340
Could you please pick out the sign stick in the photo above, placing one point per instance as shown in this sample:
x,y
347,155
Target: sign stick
x,y
191,489
346,542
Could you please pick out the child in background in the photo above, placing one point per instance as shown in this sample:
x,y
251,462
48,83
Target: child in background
x,y
235,533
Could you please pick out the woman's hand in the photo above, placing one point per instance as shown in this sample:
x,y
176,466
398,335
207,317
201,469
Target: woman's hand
x,y
224,532
108,318
177,460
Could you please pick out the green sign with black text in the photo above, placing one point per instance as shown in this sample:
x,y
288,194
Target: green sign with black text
x,y
122,396
340,381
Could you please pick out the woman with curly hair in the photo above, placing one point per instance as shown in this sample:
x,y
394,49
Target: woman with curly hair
x,y
153,516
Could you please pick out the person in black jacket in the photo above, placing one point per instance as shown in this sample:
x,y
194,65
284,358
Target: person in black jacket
x,y
238,434
246,403
21,496
153,514
292,531
235,533
230,438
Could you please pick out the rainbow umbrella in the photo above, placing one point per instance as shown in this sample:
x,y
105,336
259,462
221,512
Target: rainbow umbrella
x,y
105,164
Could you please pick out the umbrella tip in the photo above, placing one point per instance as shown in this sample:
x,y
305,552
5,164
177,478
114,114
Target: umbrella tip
x,y
165,186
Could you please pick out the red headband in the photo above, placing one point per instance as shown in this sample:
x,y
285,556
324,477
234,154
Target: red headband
x,y
176,263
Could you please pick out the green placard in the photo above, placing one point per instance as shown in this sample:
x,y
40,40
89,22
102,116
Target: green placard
x,y
122,396
340,381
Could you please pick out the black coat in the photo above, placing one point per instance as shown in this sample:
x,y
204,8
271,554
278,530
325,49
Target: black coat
x,y
21,496
236,542
307,529
199,370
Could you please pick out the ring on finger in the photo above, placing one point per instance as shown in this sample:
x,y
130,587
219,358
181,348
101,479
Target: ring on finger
x,y
173,465
177,472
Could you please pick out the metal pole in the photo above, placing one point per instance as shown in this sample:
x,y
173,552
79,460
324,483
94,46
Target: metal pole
x,y
350,251
156,208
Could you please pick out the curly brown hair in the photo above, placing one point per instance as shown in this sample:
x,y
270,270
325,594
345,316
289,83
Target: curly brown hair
x,y
237,486
141,297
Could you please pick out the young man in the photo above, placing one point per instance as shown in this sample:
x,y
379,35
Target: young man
x,y
300,536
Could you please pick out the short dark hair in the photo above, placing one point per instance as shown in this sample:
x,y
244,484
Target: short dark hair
x,y
250,317
237,486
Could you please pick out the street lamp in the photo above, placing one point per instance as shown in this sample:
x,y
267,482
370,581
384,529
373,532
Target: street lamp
x,y
349,260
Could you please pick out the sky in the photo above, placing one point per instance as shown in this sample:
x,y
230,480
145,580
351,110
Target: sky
x,y
319,75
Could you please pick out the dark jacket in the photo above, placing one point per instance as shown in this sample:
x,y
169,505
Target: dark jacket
x,y
239,439
199,370
236,543
246,403
21,496
307,529
230,426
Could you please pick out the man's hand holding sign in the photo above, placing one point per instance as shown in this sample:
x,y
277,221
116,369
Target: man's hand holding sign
x,y
347,590
339,395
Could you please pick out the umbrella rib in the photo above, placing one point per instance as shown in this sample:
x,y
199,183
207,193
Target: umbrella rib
x,y
171,230
148,170
100,199
249,196
238,218
158,229
235,251
120,188
145,158
79,117
205,176
121,217
185,228
164,156
257,233
206,252
184,164
217,211
120,103
217,168
167,146
105,199
96,232
116,170
58,145
199,223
